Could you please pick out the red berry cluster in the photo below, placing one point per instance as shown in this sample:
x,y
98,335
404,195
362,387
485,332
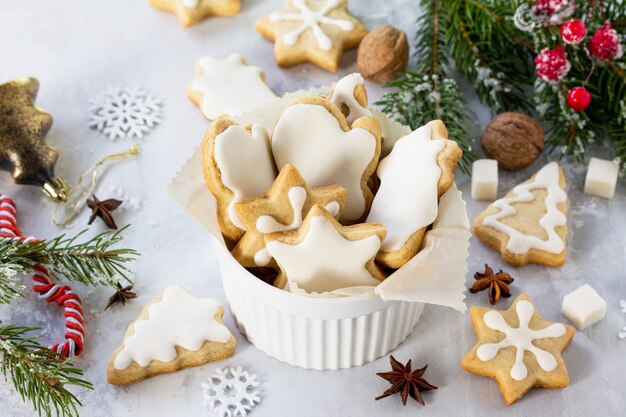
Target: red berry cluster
x,y
552,65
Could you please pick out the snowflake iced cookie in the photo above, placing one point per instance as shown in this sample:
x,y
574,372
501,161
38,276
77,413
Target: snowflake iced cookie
x,y
322,255
518,349
173,332
228,86
529,224
237,163
314,136
418,171
190,12
312,30
231,392
122,112
281,209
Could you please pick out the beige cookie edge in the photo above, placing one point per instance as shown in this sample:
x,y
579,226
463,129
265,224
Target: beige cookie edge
x,y
231,8
246,248
559,378
184,359
212,177
498,241
447,159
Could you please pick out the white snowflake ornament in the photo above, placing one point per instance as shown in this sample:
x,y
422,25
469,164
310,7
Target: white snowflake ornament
x,y
231,392
622,304
122,112
622,335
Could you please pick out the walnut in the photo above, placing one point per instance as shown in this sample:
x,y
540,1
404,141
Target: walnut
x,y
382,54
513,139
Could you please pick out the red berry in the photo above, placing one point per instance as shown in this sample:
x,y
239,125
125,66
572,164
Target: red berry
x,y
605,43
573,31
578,98
552,65
553,12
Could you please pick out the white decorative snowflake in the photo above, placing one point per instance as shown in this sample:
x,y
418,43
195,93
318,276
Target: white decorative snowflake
x,y
622,304
231,392
122,112
622,335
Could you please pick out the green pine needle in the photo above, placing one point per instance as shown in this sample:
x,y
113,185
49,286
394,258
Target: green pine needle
x,y
39,375
93,262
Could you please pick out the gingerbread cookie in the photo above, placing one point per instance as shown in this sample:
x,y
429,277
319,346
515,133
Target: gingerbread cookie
x,y
313,135
190,12
228,86
237,163
350,96
322,255
173,332
281,209
529,223
419,170
313,31
518,348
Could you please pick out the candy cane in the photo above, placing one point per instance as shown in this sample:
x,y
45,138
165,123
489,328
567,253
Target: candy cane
x,y
42,285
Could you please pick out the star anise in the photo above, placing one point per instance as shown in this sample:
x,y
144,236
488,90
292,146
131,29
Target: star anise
x,y
103,210
497,283
122,295
405,381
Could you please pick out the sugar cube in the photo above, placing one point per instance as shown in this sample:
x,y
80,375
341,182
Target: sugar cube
x,y
601,178
584,307
485,179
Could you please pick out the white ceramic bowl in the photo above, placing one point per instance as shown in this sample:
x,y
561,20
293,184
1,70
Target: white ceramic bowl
x,y
313,333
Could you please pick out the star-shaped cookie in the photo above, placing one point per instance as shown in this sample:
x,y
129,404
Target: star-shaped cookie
x,y
190,12
518,349
322,255
312,30
228,86
23,129
281,209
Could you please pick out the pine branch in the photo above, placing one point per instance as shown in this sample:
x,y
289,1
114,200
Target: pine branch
x,y
39,375
427,93
10,272
480,41
92,262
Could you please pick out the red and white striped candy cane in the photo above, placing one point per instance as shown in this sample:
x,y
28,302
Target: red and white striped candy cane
x,y
47,290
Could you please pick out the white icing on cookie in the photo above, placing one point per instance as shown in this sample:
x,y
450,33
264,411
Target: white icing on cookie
x,y
297,198
179,319
267,224
521,338
547,178
343,93
229,86
407,198
245,163
311,19
262,257
309,137
324,260
190,3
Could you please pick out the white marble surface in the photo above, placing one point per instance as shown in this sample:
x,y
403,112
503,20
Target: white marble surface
x,y
77,48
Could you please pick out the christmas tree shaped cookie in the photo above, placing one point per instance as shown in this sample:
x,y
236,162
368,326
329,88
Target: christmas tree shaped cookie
x,y
518,349
173,332
529,223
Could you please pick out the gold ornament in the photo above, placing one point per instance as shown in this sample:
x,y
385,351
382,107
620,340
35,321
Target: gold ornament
x,y
23,130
